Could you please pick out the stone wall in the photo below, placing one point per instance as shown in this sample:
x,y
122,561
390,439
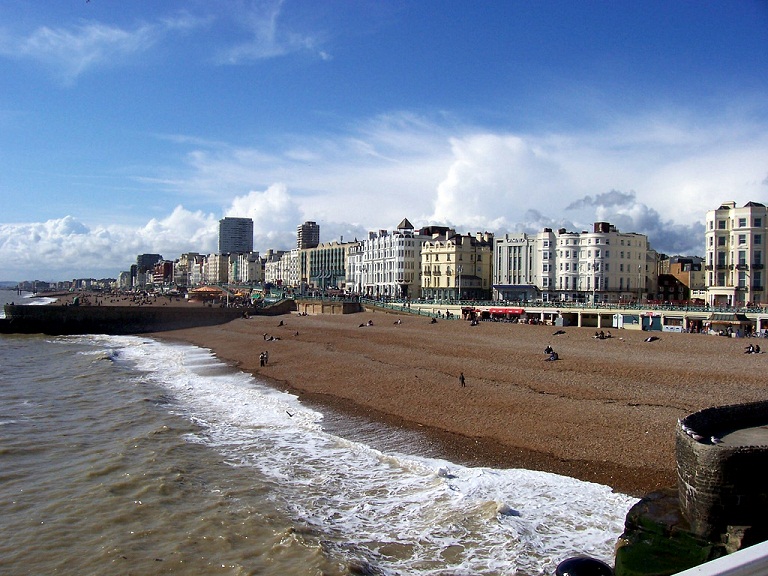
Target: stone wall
x,y
723,489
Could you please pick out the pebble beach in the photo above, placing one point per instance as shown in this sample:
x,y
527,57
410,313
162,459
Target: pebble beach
x,y
605,412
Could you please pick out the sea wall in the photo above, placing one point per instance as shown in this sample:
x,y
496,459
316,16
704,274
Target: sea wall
x,y
63,320
327,307
720,486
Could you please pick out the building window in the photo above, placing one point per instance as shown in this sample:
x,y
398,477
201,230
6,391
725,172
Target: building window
x,y
721,224
721,241
742,222
758,222
758,238
721,279
742,239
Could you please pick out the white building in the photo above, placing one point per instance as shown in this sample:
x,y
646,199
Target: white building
x,y
386,264
735,240
604,265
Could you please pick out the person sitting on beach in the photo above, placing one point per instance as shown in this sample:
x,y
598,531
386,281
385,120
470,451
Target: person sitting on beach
x,y
434,321
548,349
552,357
749,349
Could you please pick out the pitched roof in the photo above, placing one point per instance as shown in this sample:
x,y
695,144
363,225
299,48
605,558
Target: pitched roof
x,y
405,225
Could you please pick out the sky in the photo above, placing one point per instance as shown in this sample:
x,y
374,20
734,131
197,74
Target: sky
x,y
134,127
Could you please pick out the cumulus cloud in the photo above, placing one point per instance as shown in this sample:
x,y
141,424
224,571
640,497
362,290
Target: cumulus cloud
x,y
65,247
491,177
404,166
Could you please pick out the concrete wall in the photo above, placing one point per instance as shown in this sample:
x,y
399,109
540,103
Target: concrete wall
x,y
721,486
61,320
327,307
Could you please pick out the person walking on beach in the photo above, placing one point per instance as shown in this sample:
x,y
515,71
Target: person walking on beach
x,y
462,381
261,359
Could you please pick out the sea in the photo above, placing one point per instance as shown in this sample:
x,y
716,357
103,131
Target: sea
x,y
127,455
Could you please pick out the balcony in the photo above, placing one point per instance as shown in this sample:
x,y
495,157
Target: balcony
x,y
742,267
757,288
757,266
709,267
722,266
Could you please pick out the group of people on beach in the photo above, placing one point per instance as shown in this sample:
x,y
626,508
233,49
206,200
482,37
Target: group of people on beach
x,y
752,349
263,358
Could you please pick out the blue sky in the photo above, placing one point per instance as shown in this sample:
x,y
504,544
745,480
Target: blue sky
x,y
131,127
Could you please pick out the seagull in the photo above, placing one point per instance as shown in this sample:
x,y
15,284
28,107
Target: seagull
x,y
289,414
715,440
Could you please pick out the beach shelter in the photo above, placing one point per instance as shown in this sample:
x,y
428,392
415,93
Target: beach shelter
x,y
722,321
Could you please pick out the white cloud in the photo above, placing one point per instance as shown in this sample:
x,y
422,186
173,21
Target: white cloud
x,y
64,248
267,37
658,181
69,51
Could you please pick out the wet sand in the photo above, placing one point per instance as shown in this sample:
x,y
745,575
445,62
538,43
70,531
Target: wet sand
x,y
605,412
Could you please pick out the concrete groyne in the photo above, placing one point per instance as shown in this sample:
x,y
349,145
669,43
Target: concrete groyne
x,y
66,320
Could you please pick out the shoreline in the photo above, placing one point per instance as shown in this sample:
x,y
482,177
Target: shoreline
x,y
605,412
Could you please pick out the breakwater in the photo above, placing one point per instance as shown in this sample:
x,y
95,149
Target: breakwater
x,y
115,320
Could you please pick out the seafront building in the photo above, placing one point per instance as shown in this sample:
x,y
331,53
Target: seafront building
x,y
386,264
323,266
604,265
735,241
457,267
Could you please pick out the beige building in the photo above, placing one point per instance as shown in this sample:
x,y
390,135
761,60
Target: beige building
x,y
735,240
457,267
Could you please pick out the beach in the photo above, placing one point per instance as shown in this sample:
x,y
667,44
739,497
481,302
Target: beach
x,y
605,412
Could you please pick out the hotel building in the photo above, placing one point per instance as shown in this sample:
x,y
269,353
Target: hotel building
x,y
604,265
457,267
735,241
386,264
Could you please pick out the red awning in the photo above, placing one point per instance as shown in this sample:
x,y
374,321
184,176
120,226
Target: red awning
x,y
514,311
